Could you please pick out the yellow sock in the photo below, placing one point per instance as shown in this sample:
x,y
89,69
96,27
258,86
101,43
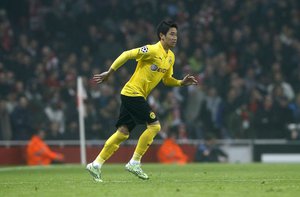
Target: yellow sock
x,y
110,146
136,157
145,141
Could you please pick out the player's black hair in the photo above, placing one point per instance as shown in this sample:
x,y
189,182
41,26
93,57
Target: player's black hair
x,y
164,26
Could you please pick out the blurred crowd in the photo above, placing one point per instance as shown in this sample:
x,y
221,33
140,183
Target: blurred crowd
x,y
245,54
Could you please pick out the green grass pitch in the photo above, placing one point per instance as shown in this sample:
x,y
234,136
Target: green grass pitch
x,y
218,180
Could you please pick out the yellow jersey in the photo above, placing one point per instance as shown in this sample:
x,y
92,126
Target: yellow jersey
x,y
153,65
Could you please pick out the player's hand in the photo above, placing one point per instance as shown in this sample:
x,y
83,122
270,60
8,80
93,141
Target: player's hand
x,y
99,78
189,80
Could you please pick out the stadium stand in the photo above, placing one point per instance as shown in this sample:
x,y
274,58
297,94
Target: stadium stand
x,y
245,55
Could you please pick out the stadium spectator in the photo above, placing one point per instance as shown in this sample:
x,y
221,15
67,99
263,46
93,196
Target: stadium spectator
x,y
272,119
55,114
108,116
294,132
72,133
93,126
170,152
287,89
21,120
209,112
39,153
192,111
209,151
5,127
295,107
6,32
54,133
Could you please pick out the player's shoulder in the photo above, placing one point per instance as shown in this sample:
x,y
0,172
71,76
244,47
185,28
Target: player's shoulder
x,y
144,49
147,49
152,47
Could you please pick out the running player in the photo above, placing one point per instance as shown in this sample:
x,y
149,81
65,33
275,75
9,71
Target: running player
x,y
154,63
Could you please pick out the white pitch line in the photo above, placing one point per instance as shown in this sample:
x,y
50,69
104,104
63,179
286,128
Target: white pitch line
x,y
6,169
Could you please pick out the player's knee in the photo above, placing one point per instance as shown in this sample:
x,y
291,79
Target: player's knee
x,y
154,127
124,129
122,136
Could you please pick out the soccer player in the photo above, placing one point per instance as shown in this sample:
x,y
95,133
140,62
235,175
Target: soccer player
x,y
154,63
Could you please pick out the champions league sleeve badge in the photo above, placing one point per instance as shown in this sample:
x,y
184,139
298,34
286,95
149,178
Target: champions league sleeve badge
x,y
144,49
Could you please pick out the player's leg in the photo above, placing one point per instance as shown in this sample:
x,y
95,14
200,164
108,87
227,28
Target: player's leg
x,y
142,114
111,145
145,140
125,124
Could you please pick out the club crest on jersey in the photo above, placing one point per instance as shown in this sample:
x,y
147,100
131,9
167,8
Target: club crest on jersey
x,y
170,60
152,115
144,49
156,68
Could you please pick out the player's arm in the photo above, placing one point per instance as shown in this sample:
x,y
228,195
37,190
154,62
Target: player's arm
x,y
187,80
169,80
137,54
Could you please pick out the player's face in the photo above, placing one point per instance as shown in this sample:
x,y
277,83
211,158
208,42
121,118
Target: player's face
x,y
171,37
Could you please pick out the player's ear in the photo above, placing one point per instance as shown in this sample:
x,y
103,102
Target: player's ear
x,y
162,36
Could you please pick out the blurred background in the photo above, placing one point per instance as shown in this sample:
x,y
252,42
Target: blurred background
x,y
245,54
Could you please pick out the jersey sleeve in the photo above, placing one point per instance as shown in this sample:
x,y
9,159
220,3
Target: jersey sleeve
x,y
169,80
142,53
